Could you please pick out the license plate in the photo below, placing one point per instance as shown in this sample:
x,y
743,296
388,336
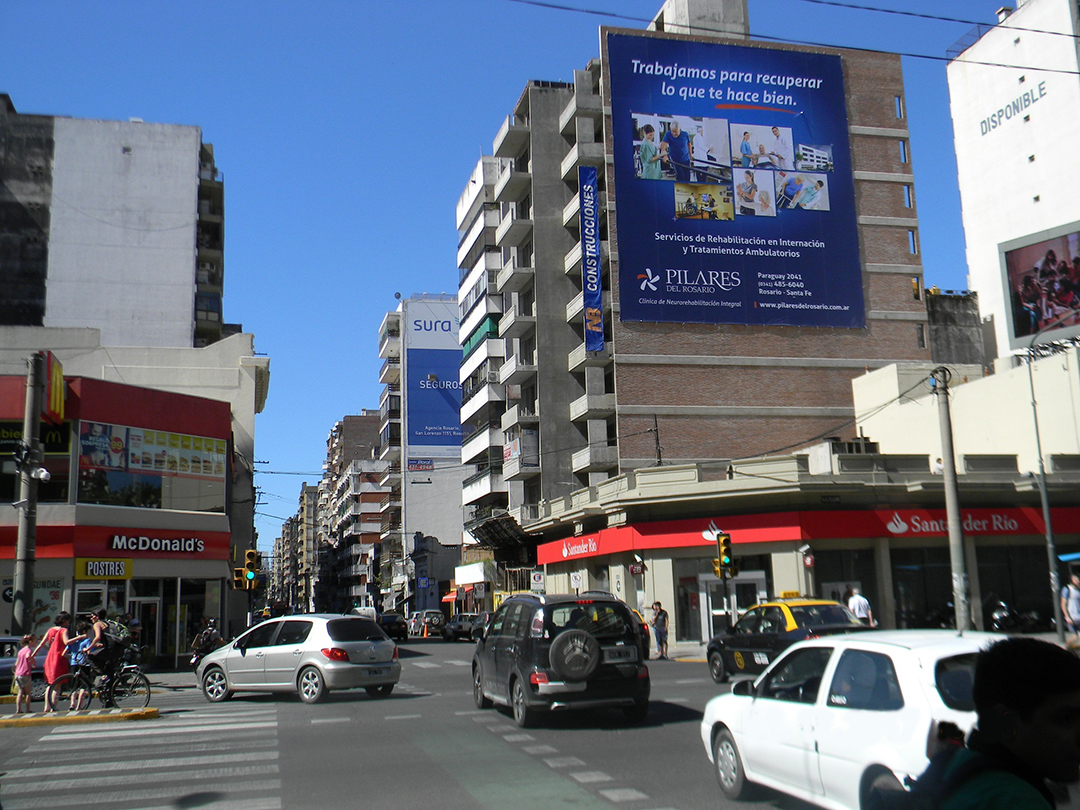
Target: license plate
x,y
619,654
377,673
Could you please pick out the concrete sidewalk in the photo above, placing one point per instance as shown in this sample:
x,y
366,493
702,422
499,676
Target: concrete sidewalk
x,y
63,718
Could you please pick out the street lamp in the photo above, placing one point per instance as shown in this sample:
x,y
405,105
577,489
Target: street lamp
x,y
1051,550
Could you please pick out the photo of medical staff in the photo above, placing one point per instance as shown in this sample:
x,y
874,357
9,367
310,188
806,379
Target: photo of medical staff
x,y
1044,284
814,158
681,148
694,201
805,190
762,147
754,193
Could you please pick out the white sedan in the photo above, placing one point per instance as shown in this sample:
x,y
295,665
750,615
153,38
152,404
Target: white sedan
x,y
835,716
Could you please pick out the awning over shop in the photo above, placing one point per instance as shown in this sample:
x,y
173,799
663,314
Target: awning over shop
x,y
455,595
450,597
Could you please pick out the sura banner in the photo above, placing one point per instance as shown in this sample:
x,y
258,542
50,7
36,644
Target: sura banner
x,y
734,181
591,280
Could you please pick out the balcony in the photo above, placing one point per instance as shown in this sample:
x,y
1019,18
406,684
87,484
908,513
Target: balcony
x,y
481,442
572,259
513,184
595,458
513,230
391,451
585,102
391,476
576,308
387,415
510,139
581,154
578,360
390,344
515,470
525,512
390,502
570,218
514,278
391,370
487,481
517,370
592,406
516,322
519,414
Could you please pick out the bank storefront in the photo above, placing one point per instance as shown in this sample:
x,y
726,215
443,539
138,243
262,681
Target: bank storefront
x,y
133,518
899,558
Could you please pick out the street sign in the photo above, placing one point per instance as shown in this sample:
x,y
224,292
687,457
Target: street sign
x,y
636,569
537,580
480,590
421,582
575,579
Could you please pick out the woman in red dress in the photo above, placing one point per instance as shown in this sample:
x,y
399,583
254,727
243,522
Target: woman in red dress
x,y
56,662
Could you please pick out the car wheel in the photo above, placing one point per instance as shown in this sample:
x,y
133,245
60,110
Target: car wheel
x,y
215,686
637,713
523,715
716,667
728,764
478,689
380,691
38,687
310,685
574,655
880,782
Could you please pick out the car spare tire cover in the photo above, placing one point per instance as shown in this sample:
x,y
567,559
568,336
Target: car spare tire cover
x,y
574,655
436,619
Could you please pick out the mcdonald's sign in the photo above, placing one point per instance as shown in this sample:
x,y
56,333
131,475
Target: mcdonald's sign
x,y
52,406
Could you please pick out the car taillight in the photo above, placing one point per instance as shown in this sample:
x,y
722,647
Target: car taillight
x,y
537,628
643,672
538,678
395,656
335,654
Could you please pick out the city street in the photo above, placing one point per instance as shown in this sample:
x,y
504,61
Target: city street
x,y
424,746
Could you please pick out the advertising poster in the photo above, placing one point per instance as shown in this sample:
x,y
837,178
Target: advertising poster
x,y
432,369
736,202
1042,282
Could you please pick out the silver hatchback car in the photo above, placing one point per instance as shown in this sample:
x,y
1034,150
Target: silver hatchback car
x,y
311,654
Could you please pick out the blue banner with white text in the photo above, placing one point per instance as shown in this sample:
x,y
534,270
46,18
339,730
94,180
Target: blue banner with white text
x,y
591,279
734,180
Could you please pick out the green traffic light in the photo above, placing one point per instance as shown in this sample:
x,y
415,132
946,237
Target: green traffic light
x,y
249,574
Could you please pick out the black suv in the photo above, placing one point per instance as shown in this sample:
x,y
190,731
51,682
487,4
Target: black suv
x,y
556,652
394,625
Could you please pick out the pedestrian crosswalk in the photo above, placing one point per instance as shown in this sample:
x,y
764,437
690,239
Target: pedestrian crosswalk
x,y
207,759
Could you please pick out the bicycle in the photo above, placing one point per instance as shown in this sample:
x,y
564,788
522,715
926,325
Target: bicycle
x,y
125,687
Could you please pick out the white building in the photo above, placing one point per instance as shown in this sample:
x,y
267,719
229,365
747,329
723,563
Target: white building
x,y
1014,133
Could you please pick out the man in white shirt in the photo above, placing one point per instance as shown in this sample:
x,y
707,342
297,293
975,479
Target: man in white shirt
x,y
780,149
859,605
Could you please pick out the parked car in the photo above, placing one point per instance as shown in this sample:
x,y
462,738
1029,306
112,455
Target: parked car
x,y
460,626
559,652
9,650
480,623
766,630
432,619
833,717
415,623
394,625
310,654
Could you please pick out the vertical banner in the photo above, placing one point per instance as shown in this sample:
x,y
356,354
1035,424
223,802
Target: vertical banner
x,y
591,280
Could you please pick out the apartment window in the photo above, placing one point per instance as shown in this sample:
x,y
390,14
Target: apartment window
x,y
920,335
916,288
913,242
899,101
903,152
907,196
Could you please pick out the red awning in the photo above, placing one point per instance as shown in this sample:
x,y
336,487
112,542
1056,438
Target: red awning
x,y
450,597
453,595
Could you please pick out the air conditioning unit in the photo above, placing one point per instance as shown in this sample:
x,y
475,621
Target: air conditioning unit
x,y
493,377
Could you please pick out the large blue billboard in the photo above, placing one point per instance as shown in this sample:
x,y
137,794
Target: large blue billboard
x,y
432,368
733,177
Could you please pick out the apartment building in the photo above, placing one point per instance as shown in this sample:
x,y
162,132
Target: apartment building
x,y
660,343
420,442
83,243
350,503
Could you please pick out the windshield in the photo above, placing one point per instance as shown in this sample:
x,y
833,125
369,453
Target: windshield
x,y
821,615
603,620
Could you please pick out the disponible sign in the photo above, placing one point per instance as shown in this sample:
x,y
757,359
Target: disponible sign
x,y
734,180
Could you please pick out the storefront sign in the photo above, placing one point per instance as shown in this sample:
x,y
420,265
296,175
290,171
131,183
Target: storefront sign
x,y
123,542
421,464
86,568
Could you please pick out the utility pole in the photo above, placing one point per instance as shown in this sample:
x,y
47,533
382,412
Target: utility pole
x,y
30,472
939,385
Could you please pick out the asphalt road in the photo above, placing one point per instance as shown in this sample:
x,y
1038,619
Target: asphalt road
x,y
426,746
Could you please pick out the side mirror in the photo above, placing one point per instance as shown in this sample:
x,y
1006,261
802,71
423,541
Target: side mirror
x,y
744,688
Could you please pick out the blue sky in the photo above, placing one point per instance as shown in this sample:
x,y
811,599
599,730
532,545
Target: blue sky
x,y
347,130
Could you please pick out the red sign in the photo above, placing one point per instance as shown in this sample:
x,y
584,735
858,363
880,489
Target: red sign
x,y
52,406
806,527
58,542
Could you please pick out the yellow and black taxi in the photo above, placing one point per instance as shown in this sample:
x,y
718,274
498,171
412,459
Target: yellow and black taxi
x,y
766,630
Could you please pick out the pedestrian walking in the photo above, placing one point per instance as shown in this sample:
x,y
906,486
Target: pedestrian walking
x,y
24,667
660,629
860,606
56,662
1070,608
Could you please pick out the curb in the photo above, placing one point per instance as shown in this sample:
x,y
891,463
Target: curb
x,y
78,718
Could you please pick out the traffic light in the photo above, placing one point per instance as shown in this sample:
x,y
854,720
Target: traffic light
x,y
723,549
716,568
238,581
251,569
